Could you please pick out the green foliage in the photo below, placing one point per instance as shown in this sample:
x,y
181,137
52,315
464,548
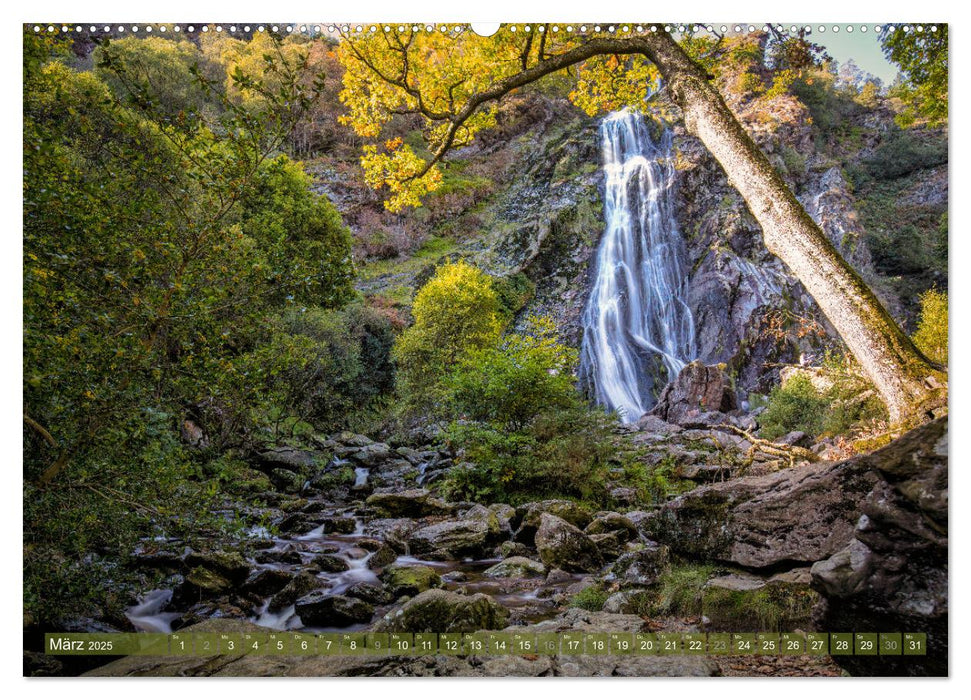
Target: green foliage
x,y
794,405
781,83
152,272
905,152
346,363
798,405
511,383
168,65
308,247
922,57
456,312
560,454
679,591
513,293
656,483
931,335
591,598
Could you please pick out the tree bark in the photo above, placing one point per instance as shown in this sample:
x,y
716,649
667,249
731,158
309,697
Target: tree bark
x,y
898,370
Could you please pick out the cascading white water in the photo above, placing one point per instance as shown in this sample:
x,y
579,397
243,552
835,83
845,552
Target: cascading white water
x,y
637,325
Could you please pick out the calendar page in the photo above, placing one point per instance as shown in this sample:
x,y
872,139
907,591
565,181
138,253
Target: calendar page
x,y
493,350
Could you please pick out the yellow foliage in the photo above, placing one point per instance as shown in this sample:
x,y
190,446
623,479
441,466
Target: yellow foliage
x,y
438,78
456,312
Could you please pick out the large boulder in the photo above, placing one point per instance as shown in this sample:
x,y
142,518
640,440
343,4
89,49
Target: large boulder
x,y
698,389
639,568
290,459
798,515
530,514
452,539
416,503
372,455
445,611
230,565
410,580
301,584
267,582
563,546
317,609
893,574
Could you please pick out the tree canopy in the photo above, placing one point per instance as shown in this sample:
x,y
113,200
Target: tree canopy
x,y
922,54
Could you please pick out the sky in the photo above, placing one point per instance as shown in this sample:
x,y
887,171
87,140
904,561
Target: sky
x,y
863,48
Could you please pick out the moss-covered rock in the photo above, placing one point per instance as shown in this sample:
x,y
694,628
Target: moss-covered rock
x,y
318,609
410,580
530,515
445,611
416,503
563,546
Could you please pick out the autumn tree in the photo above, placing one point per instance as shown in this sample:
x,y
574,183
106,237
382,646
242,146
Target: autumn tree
x,y
921,52
453,81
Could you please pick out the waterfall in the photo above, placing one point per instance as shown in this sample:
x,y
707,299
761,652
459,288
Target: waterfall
x,y
637,326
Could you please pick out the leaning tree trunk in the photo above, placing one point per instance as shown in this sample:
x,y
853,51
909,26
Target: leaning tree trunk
x,y
898,370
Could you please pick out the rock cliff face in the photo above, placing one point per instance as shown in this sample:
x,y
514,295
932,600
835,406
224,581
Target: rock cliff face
x,y
544,218
750,313
892,575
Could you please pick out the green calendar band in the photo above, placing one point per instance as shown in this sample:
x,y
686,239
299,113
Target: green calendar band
x,y
488,644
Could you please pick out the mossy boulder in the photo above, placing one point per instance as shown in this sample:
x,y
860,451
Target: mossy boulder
x,y
563,546
330,563
267,582
415,503
410,580
382,557
516,567
445,611
455,538
640,568
206,582
301,584
230,565
530,515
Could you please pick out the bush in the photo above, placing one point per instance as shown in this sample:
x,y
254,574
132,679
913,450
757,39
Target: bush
x,y
562,454
513,382
591,598
794,405
931,335
513,292
456,312
905,152
346,364
798,405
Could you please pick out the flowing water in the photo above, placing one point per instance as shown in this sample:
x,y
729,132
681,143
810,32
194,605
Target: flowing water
x,y
638,329
294,553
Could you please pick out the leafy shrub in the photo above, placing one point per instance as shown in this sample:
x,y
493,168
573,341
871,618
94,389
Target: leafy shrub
x,y
346,363
798,405
511,383
513,292
456,312
904,152
591,598
794,405
931,335
561,454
